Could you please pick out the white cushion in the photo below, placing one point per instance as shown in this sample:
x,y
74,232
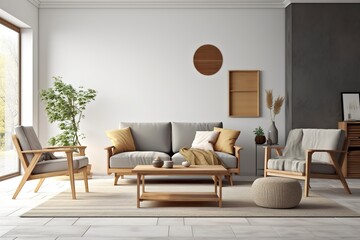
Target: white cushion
x,y
205,140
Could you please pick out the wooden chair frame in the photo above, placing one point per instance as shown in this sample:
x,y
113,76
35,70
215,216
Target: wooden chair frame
x,y
307,174
121,172
29,166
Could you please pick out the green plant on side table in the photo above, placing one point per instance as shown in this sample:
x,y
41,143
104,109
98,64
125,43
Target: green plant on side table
x,y
259,135
65,105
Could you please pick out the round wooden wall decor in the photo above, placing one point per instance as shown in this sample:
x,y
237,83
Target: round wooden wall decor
x,y
208,59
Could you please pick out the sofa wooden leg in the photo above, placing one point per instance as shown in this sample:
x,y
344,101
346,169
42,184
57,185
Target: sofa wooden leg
x,y
116,179
229,179
122,176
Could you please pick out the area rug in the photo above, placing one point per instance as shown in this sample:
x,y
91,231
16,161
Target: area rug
x,y
107,200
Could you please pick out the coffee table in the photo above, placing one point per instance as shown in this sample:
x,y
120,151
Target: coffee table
x,y
215,171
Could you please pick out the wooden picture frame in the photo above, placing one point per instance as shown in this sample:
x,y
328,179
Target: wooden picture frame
x,y
350,105
244,94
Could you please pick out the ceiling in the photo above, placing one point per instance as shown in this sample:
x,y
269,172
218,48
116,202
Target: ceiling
x,y
175,3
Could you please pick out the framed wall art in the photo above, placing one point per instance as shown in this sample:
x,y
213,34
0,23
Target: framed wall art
x,y
350,102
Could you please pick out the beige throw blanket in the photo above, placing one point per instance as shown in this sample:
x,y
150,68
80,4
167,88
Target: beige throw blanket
x,y
200,157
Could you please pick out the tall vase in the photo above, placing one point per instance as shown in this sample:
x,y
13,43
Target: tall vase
x,y
273,133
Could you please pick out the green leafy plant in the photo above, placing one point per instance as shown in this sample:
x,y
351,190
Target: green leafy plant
x,y
259,131
65,105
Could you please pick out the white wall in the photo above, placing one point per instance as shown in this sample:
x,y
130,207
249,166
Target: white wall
x,y
140,62
25,15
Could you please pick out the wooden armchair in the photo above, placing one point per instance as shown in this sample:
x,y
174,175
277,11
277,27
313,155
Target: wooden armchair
x,y
40,163
309,153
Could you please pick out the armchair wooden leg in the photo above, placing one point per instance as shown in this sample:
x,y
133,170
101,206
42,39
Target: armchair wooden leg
x,y
116,179
21,184
39,185
340,175
27,174
344,183
306,186
69,157
307,172
85,176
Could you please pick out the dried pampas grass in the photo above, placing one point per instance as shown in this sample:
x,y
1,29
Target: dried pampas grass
x,y
278,104
269,99
274,107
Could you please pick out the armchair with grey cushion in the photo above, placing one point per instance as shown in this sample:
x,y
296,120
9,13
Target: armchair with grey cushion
x,y
40,163
309,153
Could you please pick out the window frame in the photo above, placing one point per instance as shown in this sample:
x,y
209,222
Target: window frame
x,y
18,30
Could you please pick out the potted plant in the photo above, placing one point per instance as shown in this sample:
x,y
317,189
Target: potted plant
x,y
259,135
65,105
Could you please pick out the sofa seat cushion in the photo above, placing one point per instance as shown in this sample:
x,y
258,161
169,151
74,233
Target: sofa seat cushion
x,y
154,136
298,165
60,164
229,160
132,159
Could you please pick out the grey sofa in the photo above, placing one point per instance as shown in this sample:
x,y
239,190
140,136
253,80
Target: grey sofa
x,y
163,139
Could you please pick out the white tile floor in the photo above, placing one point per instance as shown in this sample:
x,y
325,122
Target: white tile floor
x,y
14,227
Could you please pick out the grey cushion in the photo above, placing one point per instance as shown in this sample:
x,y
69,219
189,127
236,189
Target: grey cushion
x,y
29,141
298,165
131,159
60,164
150,136
229,160
183,133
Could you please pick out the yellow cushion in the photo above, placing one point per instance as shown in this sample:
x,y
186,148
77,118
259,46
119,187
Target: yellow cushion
x,y
226,140
121,139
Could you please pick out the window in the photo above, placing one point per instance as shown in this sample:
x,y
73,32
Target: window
x,y
9,97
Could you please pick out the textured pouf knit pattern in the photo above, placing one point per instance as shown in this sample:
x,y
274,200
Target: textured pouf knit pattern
x,y
276,192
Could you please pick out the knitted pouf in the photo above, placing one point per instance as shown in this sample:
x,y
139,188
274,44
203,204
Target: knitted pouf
x,y
276,192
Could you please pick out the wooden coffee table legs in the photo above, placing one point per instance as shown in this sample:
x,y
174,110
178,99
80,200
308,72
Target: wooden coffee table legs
x,y
215,196
218,184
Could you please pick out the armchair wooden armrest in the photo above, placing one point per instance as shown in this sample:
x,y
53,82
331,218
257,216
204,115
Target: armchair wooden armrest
x,y
324,150
268,148
81,148
48,150
274,147
39,153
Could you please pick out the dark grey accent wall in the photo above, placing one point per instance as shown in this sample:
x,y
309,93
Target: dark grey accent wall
x,y
322,60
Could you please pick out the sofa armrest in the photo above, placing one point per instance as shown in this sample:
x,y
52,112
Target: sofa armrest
x,y
109,147
109,153
237,155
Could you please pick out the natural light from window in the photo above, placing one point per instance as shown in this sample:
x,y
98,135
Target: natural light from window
x,y
9,98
